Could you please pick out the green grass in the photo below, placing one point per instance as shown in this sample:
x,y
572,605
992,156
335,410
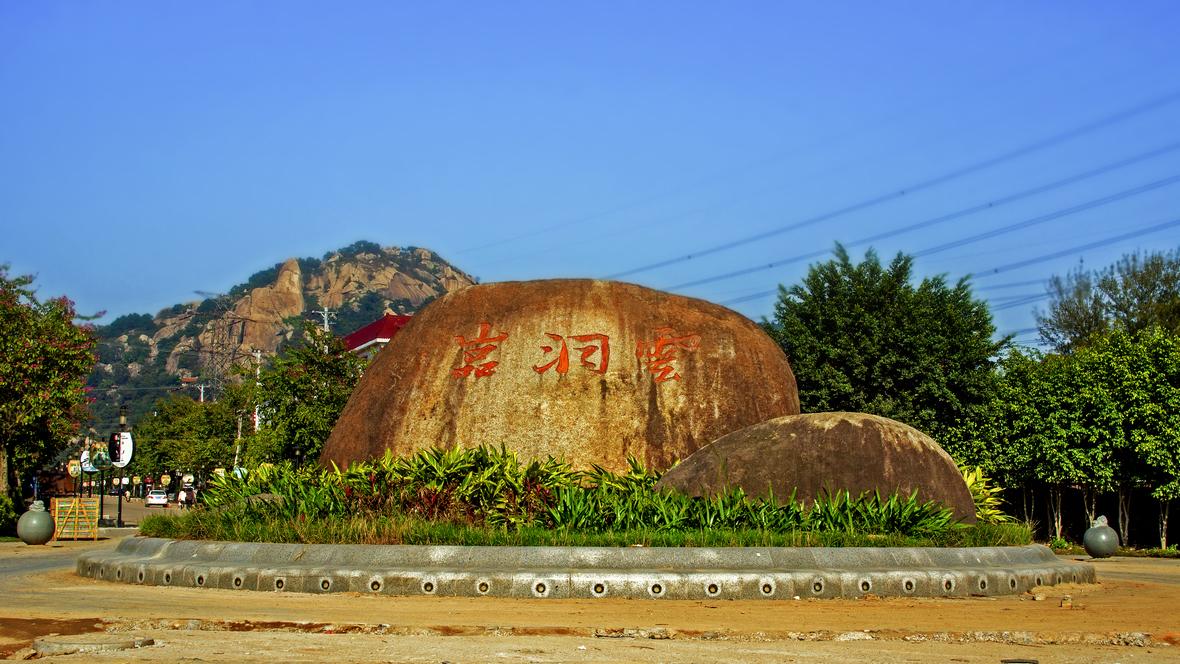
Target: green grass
x,y
1071,549
204,524
1170,552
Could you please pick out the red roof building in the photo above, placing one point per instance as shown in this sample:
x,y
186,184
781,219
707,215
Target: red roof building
x,y
373,337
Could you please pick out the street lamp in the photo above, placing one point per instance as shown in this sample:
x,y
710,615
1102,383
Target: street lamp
x,y
122,428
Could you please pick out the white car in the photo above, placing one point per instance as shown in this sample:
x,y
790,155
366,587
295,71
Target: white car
x,y
156,497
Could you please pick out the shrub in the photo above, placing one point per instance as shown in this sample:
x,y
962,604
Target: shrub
x,y
407,529
985,495
8,515
491,487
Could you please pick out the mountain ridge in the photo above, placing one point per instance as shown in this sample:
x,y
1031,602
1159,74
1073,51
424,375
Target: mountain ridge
x,y
141,357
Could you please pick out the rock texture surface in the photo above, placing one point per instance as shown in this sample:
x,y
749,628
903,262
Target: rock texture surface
x,y
261,313
812,453
258,317
358,283
415,275
592,371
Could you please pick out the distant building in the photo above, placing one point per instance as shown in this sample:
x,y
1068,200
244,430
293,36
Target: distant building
x,y
371,338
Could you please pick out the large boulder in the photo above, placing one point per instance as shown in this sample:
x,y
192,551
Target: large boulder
x,y
591,371
814,453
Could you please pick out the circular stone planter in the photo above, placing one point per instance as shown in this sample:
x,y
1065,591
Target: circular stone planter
x,y
584,572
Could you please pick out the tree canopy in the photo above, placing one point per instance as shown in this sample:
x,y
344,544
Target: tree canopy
x,y
181,434
862,337
304,391
44,360
1104,418
1137,292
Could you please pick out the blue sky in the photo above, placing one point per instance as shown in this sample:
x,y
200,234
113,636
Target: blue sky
x,y
148,150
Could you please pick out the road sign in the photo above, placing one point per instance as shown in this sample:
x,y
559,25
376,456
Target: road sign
x,y
87,467
121,448
166,480
99,457
188,478
74,468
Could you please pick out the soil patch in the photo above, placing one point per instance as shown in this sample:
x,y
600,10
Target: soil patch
x,y
17,633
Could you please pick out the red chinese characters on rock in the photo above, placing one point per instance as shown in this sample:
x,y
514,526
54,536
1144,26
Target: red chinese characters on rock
x,y
476,351
659,356
595,343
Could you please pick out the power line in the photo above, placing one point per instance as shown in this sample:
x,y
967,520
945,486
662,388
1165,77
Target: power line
x,y
1083,247
1012,284
1042,144
1081,207
119,388
1006,75
1147,230
1021,302
1057,214
1006,298
746,298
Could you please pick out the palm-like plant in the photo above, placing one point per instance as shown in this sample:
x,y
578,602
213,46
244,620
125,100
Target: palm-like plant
x,y
986,496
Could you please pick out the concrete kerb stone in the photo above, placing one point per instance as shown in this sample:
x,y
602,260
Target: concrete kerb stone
x,y
585,572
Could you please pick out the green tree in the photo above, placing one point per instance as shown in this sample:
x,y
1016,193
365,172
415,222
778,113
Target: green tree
x,y
1076,311
44,360
1004,437
303,392
1053,422
1104,417
862,337
1143,371
185,435
1138,292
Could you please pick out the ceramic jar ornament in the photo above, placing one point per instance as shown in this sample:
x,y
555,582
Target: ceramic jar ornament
x,y
1100,541
35,526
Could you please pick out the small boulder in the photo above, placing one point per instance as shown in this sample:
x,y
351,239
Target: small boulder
x,y
813,453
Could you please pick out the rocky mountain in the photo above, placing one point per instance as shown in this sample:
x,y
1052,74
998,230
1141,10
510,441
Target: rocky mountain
x,y
142,357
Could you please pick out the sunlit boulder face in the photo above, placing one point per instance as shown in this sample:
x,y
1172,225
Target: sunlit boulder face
x,y
591,371
813,453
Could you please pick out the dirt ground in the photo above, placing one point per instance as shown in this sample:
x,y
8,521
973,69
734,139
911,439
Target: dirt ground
x,y
1132,616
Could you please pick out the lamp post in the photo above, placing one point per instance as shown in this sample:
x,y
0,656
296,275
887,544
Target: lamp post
x,y
122,428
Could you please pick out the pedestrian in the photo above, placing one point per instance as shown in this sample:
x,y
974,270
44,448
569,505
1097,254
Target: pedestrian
x,y
180,498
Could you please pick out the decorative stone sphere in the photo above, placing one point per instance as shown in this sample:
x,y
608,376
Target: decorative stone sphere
x,y
588,371
1100,541
35,526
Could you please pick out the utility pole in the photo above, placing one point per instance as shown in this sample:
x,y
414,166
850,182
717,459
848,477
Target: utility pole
x,y
326,314
257,375
201,387
122,428
257,384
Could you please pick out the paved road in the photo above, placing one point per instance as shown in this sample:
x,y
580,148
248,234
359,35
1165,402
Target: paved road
x,y
41,594
133,510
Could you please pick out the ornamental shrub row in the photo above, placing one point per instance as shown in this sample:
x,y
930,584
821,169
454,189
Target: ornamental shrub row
x,y
489,486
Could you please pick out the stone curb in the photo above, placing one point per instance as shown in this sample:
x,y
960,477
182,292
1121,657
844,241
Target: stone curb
x,y
585,572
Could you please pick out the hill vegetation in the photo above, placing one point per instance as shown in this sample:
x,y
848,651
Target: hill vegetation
x,y
144,357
